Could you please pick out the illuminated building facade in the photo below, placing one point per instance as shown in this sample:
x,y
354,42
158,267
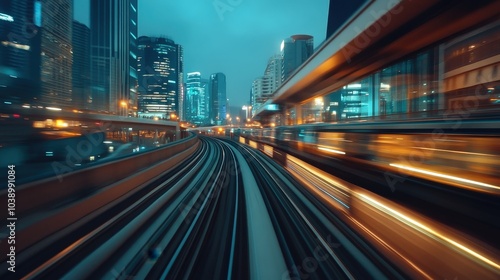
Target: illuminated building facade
x,y
57,57
20,46
264,87
218,99
113,52
159,66
36,60
196,109
132,100
205,87
81,65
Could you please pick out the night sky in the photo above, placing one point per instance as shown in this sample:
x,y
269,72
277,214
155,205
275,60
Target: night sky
x,y
234,39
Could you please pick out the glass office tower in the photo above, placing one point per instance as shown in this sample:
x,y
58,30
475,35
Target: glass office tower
x,y
159,67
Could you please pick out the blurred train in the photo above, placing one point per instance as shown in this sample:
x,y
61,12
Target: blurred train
x,y
463,153
450,147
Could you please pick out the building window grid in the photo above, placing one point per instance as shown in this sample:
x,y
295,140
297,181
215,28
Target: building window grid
x,y
406,89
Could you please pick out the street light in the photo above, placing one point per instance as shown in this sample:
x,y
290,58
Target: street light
x,y
248,111
124,105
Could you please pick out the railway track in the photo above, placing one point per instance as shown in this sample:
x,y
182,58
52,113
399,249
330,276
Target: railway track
x,y
227,212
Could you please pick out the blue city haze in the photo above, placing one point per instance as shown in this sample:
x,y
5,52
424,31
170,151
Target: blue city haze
x,y
235,37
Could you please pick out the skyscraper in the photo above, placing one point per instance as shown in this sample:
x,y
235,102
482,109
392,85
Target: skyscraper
x,y
260,92
295,51
264,87
273,71
159,67
195,99
205,85
20,46
181,95
113,28
81,65
218,99
56,60
36,38
133,79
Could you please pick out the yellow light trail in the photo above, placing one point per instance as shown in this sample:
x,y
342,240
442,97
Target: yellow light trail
x,y
331,150
440,175
423,228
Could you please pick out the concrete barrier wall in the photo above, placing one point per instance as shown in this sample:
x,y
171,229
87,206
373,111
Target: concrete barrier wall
x,y
51,192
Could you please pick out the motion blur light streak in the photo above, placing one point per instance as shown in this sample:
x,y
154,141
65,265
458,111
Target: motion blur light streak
x,y
384,244
334,139
316,178
373,154
235,220
440,175
331,150
185,238
319,174
322,240
333,254
53,108
426,230
295,169
400,224
57,257
458,152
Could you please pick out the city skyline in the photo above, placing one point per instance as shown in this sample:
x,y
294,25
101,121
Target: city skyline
x,y
228,39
